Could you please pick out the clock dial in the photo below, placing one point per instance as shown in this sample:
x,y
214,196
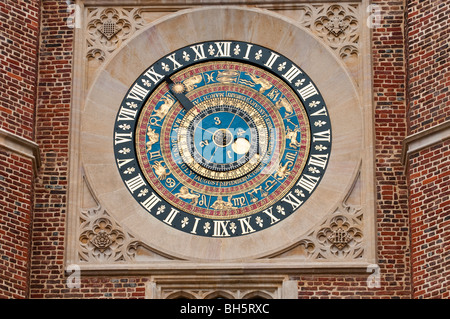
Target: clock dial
x,y
222,139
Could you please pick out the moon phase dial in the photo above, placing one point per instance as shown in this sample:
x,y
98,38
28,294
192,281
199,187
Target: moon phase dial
x,y
222,147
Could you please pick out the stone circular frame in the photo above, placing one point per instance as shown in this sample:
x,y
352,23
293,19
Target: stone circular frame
x,y
206,24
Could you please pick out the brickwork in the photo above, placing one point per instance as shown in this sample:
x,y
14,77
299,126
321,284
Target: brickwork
x,y
91,287
52,135
19,30
428,31
15,221
430,221
341,287
429,63
390,130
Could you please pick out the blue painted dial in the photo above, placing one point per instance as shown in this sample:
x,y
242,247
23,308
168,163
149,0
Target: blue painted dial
x,y
223,136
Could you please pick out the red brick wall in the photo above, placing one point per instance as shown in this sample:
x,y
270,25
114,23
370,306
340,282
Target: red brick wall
x,y
430,221
428,46
52,135
16,203
390,130
19,29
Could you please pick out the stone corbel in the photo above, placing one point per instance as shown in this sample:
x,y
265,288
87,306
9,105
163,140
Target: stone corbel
x,y
21,146
416,142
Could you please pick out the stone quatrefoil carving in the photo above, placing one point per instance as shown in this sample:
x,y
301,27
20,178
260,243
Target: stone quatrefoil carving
x,y
338,237
337,26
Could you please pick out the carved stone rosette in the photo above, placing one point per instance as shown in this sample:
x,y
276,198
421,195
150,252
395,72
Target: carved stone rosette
x,y
102,239
341,236
338,26
337,238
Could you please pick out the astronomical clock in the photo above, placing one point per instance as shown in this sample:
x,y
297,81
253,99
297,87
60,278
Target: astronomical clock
x,y
222,138
221,146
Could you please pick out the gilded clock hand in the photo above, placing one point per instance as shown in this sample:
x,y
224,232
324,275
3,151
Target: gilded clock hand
x,y
178,90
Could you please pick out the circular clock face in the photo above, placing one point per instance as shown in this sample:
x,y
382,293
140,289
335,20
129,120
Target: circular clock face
x,y
222,139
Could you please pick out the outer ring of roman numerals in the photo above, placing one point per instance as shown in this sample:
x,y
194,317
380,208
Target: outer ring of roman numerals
x,y
252,54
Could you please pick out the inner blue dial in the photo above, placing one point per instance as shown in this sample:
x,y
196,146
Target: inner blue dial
x,y
223,138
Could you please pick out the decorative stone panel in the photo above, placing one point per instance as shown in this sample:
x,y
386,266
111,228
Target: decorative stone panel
x,y
337,25
108,28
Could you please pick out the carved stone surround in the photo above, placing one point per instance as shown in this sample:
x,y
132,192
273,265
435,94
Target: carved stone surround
x,y
341,241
